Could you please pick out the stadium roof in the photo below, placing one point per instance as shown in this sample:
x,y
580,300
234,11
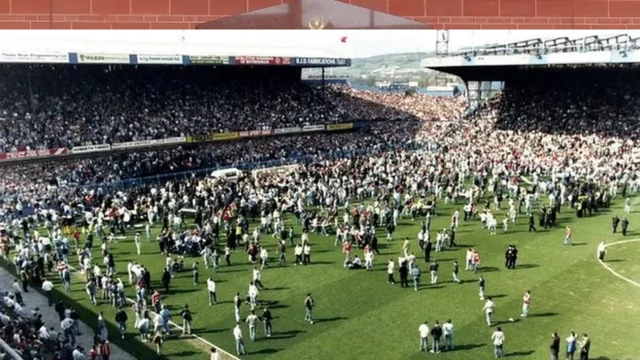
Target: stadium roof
x,y
313,14
493,61
182,42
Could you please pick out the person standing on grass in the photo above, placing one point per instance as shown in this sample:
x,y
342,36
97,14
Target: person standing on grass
x,y
554,348
423,330
237,334
456,270
526,302
47,286
252,320
404,273
615,221
428,247
157,340
585,346
498,342
227,255
185,314
121,320
306,254
166,318
448,335
196,273
390,270
309,304
282,252
138,242
266,318
436,334
433,268
602,251
415,273
237,301
489,308
257,278
166,280
155,301
571,345
625,225
567,236
211,290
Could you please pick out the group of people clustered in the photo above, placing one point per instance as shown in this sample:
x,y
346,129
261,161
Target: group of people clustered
x,y
419,152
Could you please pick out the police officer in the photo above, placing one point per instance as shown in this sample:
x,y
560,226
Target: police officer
x,y
532,226
625,225
614,223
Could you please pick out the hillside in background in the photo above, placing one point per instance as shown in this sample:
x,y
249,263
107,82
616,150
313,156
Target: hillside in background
x,y
402,67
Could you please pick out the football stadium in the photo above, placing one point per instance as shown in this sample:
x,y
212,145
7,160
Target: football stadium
x,y
177,200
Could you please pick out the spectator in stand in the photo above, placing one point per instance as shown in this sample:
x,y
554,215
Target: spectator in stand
x,y
51,106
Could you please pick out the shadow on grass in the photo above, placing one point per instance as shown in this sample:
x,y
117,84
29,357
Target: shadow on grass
x,y
504,322
520,353
287,334
331,319
527,266
278,288
579,244
209,331
614,261
264,351
486,269
497,296
234,271
177,291
182,354
547,314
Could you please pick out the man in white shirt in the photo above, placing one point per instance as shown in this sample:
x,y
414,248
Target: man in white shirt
x,y
498,341
47,286
252,320
489,308
211,289
390,270
237,334
253,295
423,329
602,251
447,328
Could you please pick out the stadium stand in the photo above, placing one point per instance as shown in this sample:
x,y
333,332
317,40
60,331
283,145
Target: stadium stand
x,y
51,106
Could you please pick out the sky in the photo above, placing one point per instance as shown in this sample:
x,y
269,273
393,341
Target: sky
x,y
380,42
305,43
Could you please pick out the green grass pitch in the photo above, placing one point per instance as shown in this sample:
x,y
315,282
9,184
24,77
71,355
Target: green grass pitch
x,y
360,316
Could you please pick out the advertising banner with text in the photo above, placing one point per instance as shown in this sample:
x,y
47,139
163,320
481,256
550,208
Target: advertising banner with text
x,y
90,148
289,130
255,133
146,143
27,154
213,137
345,126
313,128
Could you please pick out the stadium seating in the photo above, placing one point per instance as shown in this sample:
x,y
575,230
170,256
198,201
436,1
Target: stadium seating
x,y
48,106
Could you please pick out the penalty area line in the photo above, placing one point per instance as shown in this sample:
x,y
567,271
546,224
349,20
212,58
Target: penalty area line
x,y
616,274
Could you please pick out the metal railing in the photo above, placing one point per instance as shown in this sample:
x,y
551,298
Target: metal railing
x,y
622,42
